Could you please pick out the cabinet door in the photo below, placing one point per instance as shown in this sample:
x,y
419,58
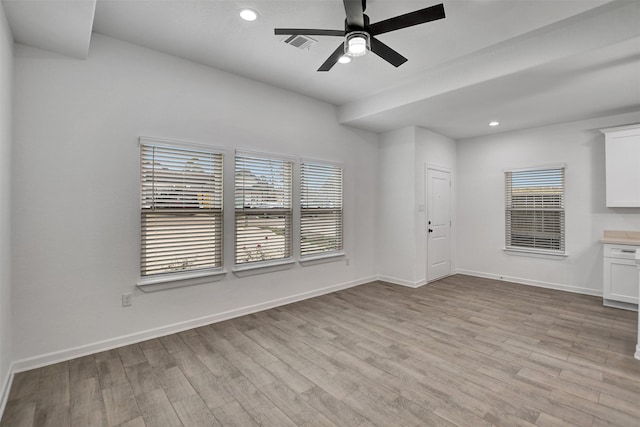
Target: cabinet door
x,y
621,280
623,168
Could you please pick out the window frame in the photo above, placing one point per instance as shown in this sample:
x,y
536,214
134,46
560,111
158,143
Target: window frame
x,y
163,280
320,255
272,264
533,250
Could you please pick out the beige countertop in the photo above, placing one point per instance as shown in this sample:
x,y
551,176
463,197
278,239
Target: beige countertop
x,y
621,237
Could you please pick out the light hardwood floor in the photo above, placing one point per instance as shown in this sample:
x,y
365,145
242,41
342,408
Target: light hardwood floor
x,y
461,351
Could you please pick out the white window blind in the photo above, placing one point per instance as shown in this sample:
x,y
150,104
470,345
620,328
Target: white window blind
x,y
181,209
321,208
535,210
263,208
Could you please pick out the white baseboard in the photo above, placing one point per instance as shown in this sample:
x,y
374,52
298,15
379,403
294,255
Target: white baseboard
x,y
84,350
538,283
620,304
637,355
6,388
402,282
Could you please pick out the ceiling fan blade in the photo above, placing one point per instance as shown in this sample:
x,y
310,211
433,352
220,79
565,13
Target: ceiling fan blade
x,y
386,53
355,13
408,20
307,32
331,61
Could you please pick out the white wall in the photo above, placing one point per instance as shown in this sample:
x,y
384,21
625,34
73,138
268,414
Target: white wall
x,y
76,189
6,84
401,229
396,228
480,238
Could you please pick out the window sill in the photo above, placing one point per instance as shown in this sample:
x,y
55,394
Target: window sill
x,y
321,258
262,267
178,280
536,254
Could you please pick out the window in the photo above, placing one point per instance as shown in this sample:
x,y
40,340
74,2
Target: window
x,y
263,208
320,209
535,209
181,207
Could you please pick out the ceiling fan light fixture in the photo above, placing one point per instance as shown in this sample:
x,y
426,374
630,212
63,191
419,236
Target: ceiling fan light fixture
x,y
248,14
356,44
359,34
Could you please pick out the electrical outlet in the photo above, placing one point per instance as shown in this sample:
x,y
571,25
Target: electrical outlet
x,y
126,299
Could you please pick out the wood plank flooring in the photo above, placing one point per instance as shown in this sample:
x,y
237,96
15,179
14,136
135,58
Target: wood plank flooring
x,y
461,351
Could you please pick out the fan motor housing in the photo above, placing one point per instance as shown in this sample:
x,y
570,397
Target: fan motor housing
x,y
350,28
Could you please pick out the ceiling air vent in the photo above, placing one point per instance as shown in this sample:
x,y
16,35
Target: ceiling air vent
x,y
300,41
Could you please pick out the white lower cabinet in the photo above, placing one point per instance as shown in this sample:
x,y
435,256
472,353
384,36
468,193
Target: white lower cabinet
x,y
621,276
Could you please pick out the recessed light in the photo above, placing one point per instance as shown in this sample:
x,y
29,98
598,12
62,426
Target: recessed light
x,y
344,59
248,14
494,123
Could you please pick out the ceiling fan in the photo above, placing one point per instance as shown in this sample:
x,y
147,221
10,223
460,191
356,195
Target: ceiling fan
x,y
359,33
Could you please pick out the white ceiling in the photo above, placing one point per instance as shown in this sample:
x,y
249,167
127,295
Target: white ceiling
x,y
525,63
59,26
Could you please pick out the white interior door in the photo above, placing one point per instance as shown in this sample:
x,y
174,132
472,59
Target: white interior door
x,y
438,224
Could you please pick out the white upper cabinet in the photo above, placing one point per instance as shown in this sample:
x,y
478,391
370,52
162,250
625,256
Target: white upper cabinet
x,y
623,165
